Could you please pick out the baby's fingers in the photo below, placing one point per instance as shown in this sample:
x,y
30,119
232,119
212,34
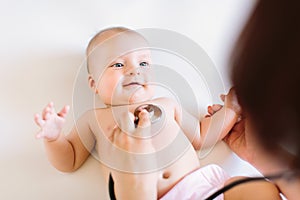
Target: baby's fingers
x,y
38,120
49,109
39,135
64,111
42,135
214,108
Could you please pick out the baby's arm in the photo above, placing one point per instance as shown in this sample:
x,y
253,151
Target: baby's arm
x,y
190,126
212,128
215,127
66,153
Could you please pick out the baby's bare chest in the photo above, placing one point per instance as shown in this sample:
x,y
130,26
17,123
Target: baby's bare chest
x,y
162,117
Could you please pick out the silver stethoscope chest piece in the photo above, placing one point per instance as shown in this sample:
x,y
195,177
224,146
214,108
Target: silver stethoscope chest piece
x,y
155,113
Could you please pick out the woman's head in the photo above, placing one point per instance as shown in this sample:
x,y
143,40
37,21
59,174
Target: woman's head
x,y
265,73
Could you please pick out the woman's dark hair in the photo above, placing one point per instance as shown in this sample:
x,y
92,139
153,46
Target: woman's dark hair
x,y
266,74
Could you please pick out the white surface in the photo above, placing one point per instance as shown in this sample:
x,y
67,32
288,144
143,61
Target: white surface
x,y
42,48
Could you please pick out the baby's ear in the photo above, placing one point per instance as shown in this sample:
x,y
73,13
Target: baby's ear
x,y
92,84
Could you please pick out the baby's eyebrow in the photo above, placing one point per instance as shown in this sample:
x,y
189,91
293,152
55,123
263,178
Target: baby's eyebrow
x,y
144,55
117,59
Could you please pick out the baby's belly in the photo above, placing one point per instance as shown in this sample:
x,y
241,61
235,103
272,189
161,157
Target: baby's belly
x,y
169,176
175,155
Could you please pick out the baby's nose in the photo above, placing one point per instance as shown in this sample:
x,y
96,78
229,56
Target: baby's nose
x,y
133,70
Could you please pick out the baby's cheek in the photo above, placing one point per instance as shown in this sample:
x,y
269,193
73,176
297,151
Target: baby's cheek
x,y
107,93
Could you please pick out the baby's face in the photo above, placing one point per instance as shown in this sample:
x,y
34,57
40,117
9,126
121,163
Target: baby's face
x,y
126,77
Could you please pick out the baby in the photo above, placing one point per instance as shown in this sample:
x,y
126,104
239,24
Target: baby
x,y
164,137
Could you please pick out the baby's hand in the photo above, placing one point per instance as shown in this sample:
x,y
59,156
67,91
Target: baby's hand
x,y
213,109
50,122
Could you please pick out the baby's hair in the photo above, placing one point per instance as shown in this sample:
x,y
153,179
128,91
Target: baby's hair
x,y
93,42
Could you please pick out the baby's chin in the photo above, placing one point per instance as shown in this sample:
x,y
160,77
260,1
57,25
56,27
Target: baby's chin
x,y
141,95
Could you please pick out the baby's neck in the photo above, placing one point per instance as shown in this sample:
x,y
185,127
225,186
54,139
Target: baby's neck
x,y
127,104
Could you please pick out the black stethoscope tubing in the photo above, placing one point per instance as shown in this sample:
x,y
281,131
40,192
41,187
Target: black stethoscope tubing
x,y
286,175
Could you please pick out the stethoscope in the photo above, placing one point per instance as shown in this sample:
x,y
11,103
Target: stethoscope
x,y
155,114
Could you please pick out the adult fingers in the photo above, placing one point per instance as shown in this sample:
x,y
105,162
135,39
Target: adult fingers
x,y
122,130
116,134
223,96
122,140
144,120
127,123
143,129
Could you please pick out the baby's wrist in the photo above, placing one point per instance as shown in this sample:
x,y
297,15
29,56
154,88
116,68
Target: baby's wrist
x,y
51,139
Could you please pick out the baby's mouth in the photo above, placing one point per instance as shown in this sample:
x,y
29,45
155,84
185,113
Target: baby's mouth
x,y
133,84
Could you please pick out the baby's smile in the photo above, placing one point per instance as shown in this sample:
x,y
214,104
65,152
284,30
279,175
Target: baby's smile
x,y
133,84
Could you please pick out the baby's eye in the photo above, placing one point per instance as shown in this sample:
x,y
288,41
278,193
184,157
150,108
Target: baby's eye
x,y
144,64
118,65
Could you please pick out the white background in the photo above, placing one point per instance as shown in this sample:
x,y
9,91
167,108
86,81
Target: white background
x,y
42,45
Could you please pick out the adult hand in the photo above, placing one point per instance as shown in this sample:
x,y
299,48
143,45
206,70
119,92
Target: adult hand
x,y
135,175
241,141
50,122
133,139
238,139
230,101
131,147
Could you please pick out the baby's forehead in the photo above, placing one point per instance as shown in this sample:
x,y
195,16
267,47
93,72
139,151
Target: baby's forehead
x,y
128,40
111,45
